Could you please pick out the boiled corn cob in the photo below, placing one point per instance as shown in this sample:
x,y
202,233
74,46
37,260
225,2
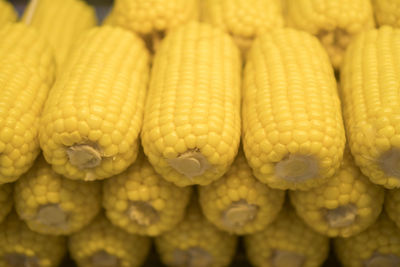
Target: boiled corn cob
x,y
7,12
26,74
287,242
387,12
344,206
61,22
239,203
293,134
243,19
195,242
370,78
378,246
105,245
91,121
6,200
392,205
21,247
191,128
142,202
51,204
334,22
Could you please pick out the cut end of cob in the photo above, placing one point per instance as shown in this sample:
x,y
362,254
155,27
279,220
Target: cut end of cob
x,y
191,163
192,257
379,260
239,213
284,258
18,260
103,259
390,162
84,156
342,216
143,213
297,168
51,215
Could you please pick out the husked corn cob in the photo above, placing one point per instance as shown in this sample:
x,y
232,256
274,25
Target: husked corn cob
x,y
141,202
293,134
344,206
238,202
103,244
387,12
191,128
370,78
7,12
378,246
196,242
61,22
51,204
287,242
243,19
334,22
6,200
91,121
392,205
26,74
20,246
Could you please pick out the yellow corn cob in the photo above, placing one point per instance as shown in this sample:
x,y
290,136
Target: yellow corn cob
x,y
51,204
292,123
20,246
239,203
61,22
6,200
142,202
243,19
392,205
370,78
26,74
334,22
191,128
103,244
7,12
287,242
378,246
344,206
90,124
387,12
196,242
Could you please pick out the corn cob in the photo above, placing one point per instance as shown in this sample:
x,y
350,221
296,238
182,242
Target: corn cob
x,y
293,134
90,124
243,19
26,74
103,244
20,246
7,13
61,22
370,78
239,203
6,200
334,22
378,246
51,204
195,242
344,206
191,128
392,205
287,242
387,12
142,202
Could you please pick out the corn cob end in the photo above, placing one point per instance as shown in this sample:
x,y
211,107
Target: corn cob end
x,y
51,215
103,259
239,213
192,257
15,259
84,156
378,260
389,162
342,216
297,168
190,163
287,258
143,213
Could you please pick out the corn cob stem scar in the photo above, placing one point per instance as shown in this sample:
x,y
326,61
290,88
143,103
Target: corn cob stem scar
x,y
104,259
284,258
84,156
390,162
380,260
342,216
191,163
297,168
51,215
192,257
31,11
239,213
21,260
142,213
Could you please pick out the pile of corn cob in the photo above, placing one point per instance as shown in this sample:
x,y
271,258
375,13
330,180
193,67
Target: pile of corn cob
x,y
193,122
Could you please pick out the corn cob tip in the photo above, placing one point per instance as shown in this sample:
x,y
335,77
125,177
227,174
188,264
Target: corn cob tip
x,y
192,257
342,216
16,259
239,213
84,156
51,215
143,213
103,259
31,11
378,260
287,258
190,163
390,162
297,168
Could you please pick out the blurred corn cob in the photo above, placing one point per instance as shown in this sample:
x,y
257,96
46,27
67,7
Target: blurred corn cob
x,y
103,244
21,247
243,19
26,74
392,205
51,204
142,202
370,78
387,12
6,200
238,202
92,118
334,22
61,22
293,134
287,242
7,13
195,242
191,128
378,246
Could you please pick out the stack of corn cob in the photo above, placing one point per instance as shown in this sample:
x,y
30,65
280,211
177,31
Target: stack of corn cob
x,y
191,123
